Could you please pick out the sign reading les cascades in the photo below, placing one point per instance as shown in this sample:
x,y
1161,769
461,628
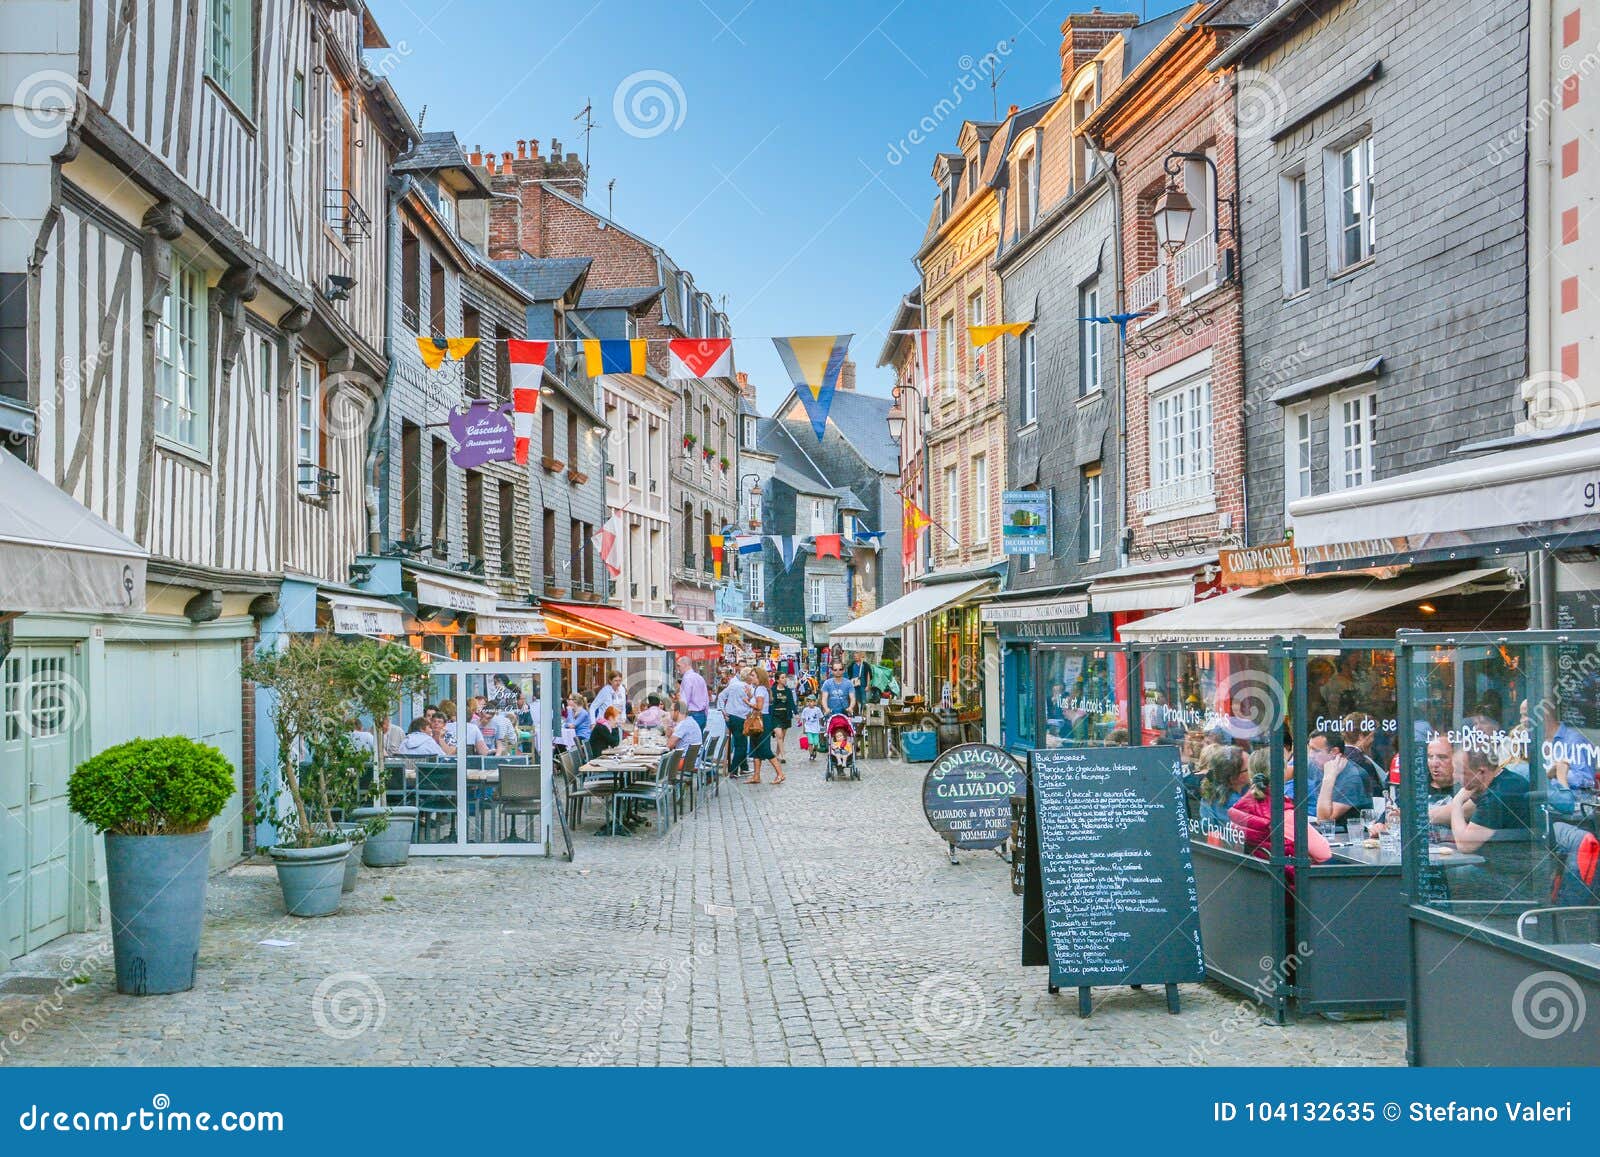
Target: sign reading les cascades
x,y
1110,895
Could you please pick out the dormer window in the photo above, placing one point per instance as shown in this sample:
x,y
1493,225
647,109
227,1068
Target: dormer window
x,y
1027,190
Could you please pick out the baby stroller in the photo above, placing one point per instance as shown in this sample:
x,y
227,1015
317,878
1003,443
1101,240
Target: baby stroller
x,y
842,748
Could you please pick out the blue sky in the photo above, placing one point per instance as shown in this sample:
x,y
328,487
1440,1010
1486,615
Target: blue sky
x,y
783,175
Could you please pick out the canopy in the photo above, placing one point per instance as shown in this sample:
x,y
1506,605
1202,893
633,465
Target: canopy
x,y
1150,586
867,633
510,620
456,594
765,634
621,622
1545,490
359,615
1316,609
58,555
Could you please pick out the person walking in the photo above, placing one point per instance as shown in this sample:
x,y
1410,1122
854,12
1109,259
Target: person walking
x,y
783,712
734,705
760,700
692,691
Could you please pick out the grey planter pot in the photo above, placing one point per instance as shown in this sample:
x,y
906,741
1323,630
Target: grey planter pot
x,y
356,834
157,893
312,879
390,847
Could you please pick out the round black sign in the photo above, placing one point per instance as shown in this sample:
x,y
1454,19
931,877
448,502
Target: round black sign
x,y
967,792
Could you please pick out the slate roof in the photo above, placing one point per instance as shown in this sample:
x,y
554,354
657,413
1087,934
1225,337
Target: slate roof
x,y
545,278
633,297
792,467
863,421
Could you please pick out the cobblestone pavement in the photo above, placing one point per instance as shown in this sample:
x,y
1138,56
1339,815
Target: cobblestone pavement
x,y
812,923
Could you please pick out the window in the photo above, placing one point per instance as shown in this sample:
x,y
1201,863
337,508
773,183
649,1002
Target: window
x,y
1027,191
1088,338
1030,379
548,543
688,537
266,366
755,580
975,317
297,93
1180,439
410,282
750,432
707,563
436,302
952,506
181,346
572,442
547,433
1296,229
819,516
588,557
819,597
508,528
1296,455
230,62
308,443
447,208
575,553
947,354
1084,162
980,498
440,469
1093,512
411,480
502,364
1352,216
1353,437
472,369
474,514
335,153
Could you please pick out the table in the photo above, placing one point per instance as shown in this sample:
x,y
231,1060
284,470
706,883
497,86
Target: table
x,y
621,764
1377,857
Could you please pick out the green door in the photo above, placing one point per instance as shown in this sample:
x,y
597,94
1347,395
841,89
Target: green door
x,y
43,705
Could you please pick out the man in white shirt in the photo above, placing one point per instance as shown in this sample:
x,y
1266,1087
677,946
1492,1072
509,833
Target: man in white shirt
x,y
611,695
473,734
686,732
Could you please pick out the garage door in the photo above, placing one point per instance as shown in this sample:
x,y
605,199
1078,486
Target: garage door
x,y
193,689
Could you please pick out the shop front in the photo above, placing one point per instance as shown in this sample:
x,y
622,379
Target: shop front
x,y
1055,690
644,647
1139,590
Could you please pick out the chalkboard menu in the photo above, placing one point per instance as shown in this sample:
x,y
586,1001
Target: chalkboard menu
x,y
967,792
1110,892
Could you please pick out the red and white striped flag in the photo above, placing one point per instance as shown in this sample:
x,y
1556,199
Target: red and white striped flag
x,y
526,359
607,539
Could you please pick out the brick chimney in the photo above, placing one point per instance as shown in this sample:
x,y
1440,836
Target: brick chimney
x,y
746,390
847,375
516,226
1085,33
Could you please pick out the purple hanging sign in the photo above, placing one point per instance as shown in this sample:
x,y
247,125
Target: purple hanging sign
x,y
483,433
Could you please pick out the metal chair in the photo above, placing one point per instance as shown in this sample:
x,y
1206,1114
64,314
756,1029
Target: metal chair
x,y
709,768
520,795
657,792
686,777
436,795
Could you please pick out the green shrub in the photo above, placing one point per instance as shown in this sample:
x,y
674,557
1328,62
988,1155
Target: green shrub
x,y
152,787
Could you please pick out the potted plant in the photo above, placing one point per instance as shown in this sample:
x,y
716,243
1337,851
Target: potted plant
x,y
725,465
332,782
378,677
308,709
688,441
154,800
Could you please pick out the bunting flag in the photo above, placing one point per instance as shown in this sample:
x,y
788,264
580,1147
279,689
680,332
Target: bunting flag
x,y
716,555
785,544
982,335
526,360
700,357
434,350
914,519
924,369
622,356
828,545
748,543
860,533
813,364
606,539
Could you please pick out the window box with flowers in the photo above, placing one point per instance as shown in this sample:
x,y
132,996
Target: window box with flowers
x,y
688,442
709,453
724,464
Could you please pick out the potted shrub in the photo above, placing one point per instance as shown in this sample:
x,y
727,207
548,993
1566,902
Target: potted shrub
x,y
154,800
378,677
332,782
308,709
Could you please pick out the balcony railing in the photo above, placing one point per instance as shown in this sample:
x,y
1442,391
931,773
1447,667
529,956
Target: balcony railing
x,y
346,217
315,482
1196,261
1189,490
1148,291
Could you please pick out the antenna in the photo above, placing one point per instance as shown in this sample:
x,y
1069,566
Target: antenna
x,y
586,115
422,116
994,89
610,187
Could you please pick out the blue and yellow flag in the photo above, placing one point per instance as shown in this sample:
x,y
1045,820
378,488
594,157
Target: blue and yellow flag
x,y
814,364
622,356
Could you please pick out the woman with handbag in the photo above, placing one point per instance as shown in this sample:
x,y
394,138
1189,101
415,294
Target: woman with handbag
x,y
758,727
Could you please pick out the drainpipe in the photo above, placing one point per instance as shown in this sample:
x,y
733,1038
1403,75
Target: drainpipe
x,y
1108,165
1541,565
924,424
378,431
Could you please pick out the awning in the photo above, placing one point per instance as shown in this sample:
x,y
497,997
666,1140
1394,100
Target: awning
x,y
58,555
456,594
766,634
1531,496
867,633
651,631
358,615
1155,586
510,622
1316,609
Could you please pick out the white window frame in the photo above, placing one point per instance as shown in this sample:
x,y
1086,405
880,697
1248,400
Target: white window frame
x,y
952,505
1093,512
1089,343
1352,409
975,316
1180,421
1299,451
754,580
230,50
947,355
182,349
1350,202
819,595
819,516
307,399
1028,186
1294,226
1030,379
980,498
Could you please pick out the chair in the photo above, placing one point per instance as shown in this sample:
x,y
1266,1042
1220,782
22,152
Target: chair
x,y
581,787
436,794
520,795
395,789
710,766
657,792
1559,925
686,776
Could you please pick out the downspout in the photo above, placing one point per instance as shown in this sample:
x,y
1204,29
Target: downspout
x,y
1108,165
922,422
378,431
1541,564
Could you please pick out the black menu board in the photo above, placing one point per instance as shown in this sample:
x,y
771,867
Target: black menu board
x,y
1110,894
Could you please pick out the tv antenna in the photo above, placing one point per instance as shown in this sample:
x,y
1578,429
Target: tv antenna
x,y
586,115
610,188
994,88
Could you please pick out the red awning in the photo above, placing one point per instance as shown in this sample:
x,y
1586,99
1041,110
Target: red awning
x,y
657,634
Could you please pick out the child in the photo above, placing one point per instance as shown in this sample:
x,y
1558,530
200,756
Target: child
x,y
652,717
811,724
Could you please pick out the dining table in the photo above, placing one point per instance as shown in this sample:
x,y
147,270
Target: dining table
x,y
621,765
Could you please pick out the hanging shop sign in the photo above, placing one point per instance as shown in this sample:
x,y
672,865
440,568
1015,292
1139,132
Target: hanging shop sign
x,y
1281,562
483,432
1025,521
967,792
509,625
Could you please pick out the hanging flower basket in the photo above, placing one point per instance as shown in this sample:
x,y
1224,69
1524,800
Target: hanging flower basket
x,y
725,465
709,453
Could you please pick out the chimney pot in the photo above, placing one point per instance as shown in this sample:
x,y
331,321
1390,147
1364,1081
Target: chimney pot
x,y
533,148
555,148
572,158
522,150
489,163
506,157
475,157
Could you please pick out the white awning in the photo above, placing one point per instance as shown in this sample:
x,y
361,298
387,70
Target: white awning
x,y
765,634
1156,586
1525,492
58,555
510,622
437,590
1316,609
867,633
357,615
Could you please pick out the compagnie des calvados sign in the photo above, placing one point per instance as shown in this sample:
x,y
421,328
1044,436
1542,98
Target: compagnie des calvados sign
x,y
967,792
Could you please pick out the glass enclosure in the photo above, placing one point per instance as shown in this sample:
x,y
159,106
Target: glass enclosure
x,y
1084,692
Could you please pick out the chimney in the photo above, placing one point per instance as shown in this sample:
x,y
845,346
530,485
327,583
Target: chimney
x,y
847,375
533,148
475,157
746,390
1085,33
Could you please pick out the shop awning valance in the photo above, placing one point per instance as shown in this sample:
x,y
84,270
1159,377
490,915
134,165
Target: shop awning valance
x,y
510,622
650,631
868,632
456,594
1529,496
1152,586
359,615
58,555
1316,609
753,630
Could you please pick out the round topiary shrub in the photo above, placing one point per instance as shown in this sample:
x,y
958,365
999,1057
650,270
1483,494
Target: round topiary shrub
x,y
152,787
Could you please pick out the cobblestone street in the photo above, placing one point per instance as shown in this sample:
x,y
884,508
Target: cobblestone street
x,y
813,923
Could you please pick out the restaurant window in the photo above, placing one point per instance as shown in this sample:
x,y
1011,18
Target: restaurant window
x,y
980,498
1085,699
548,543
1295,227
308,440
1093,513
410,281
1296,454
231,61
947,355
182,399
1351,215
547,433
474,515
1088,338
1030,379
819,596
1180,438
441,496
508,528
411,480
436,298
952,508
502,363
472,365
1353,432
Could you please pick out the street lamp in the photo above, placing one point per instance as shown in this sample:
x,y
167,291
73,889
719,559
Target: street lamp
x,y
1173,212
755,499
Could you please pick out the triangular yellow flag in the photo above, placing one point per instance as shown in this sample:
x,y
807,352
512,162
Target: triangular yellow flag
x,y
433,354
460,347
982,335
811,356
